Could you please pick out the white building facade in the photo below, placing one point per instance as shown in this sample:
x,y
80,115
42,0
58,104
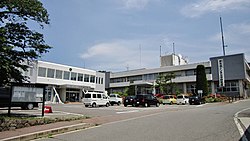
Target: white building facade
x,y
236,72
65,83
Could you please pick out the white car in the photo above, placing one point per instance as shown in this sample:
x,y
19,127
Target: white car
x,y
182,99
95,99
115,99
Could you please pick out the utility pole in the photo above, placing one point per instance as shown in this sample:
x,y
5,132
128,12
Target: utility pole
x,y
222,38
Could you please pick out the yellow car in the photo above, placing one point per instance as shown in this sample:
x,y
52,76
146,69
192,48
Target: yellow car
x,y
168,99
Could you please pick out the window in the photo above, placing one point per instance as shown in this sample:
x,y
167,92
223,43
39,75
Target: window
x,y
190,72
80,77
58,74
96,80
86,78
87,95
101,80
94,95
73,76
41,71
50,73
92,79
99,96
66,75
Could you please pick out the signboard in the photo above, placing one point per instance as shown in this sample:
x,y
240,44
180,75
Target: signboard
x,y
221,73
27,94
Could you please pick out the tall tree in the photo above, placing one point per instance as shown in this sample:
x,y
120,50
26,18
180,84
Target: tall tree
x,y
201,80
165,83
18,44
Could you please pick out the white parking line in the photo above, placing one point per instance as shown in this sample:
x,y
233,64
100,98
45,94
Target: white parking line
x,y
133,111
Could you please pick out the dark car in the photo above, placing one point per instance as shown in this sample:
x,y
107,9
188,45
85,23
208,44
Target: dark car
x,y
146,100
129,100
195,99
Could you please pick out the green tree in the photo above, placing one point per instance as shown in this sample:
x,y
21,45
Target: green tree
x,y
20,45
131,90
165,83
201,80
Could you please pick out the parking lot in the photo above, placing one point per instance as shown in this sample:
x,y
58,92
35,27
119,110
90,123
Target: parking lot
x,y
78,109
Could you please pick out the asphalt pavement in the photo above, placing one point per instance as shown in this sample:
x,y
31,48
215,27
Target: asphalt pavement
x,y
34,132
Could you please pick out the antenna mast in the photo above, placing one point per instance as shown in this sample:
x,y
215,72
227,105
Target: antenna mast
x,y
222,38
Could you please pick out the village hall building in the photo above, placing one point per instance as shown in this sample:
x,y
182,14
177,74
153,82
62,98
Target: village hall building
x,y
228,75
65,83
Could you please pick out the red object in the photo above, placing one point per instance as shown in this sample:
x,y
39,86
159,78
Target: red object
x,y
47,109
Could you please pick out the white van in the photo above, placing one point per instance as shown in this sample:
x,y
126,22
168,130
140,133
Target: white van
x,y
182,99
95,99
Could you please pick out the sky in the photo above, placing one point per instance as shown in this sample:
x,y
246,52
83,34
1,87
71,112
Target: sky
x,y
120,35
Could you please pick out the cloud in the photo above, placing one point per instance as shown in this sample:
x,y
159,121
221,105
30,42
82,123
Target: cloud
x,y
118,54
206,6
134,4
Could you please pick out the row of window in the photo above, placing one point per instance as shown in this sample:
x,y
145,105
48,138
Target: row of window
x,y
230,86
154,76
68,75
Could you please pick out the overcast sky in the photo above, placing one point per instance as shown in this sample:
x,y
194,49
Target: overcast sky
x,y
116,35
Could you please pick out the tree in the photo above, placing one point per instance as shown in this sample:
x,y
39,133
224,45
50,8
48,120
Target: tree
x,y
20,45
165,83
201,80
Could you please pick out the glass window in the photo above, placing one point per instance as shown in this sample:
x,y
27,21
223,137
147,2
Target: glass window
x,y
92,79
96,80
50,73
86,78
80,77
87,95
66,75
41,71
58,74
99,96
73,76
94,95
190,72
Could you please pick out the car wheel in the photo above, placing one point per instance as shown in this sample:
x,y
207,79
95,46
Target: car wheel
x,y
125,105
157,104
30,106
94,105
107,104
119,103
86,105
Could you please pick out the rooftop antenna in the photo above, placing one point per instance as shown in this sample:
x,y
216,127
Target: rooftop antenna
x,y
222,38
173,48
140,54
160,51
127,67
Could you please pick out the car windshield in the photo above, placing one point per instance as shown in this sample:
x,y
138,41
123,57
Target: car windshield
x,y
180,96
112,95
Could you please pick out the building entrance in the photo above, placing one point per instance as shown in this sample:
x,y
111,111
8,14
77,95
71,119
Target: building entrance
x,y
72,95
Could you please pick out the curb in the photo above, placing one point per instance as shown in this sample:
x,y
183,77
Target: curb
x,y
47,133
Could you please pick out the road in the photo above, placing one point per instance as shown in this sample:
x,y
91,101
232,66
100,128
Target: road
x,y
183,123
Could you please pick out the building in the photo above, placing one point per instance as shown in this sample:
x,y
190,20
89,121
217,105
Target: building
x,y
227,75
65,83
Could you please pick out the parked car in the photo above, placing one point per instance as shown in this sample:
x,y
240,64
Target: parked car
x,y
129,100
95,99
115,99
195,99
146,100
182,99
168,99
